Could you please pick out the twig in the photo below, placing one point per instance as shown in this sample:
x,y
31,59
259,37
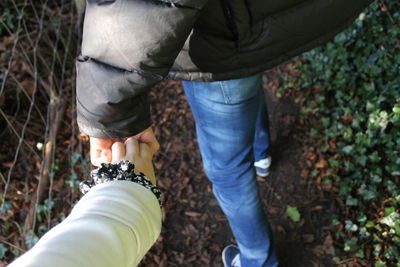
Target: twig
x,y
30,218
21,140
14,47
56,112
387,11
12,245
16,133
59,96
19,85
2,178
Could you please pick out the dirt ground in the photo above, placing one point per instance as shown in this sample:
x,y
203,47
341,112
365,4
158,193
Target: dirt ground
x,y
195,230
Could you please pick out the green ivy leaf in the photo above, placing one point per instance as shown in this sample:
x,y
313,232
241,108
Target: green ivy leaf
x,y
347,149
357,75
391,220
360,254
351,244
351,201
3,251
389,211
380,264
293,213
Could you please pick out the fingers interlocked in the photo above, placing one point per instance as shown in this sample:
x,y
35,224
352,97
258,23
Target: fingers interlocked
x,y
129,150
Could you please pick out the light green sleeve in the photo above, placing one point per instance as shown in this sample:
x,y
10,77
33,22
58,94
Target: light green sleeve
x,y
115,224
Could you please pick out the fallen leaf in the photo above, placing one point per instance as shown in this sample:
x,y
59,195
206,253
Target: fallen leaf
x,y
192,214
280,229
7,164
347,119
318,207
273,210
322,164
304,173
328,245
293,213
308,238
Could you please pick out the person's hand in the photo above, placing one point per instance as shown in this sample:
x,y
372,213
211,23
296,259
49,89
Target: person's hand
x,y
137,152
100,149
148,137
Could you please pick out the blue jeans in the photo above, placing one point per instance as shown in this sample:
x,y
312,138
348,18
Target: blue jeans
x,y
232,132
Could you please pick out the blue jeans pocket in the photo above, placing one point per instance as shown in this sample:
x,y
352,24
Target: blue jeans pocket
x,y
229,92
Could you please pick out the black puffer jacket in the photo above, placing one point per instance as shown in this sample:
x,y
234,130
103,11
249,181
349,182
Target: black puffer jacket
x,y
130,45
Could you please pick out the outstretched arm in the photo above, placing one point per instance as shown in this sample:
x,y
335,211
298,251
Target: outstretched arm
x,y
128,46
115,224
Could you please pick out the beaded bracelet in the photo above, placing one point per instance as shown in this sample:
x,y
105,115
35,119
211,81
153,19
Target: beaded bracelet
x,y
121,171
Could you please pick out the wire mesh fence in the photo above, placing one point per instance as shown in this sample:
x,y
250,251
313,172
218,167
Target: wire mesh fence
x,y
38,46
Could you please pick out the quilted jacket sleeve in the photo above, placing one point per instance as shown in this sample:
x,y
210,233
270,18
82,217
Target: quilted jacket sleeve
x,y
128,46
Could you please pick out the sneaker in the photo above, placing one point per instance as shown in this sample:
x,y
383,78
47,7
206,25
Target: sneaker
x,y
262,166
231,256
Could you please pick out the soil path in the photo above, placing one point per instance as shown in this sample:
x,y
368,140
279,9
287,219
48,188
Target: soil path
x,y
195,231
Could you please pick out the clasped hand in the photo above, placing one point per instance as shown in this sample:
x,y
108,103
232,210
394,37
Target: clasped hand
x,y
139,149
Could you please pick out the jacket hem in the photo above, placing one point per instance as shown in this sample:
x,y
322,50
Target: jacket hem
x,y
111,133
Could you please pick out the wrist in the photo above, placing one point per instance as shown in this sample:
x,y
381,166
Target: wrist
x,y
121,171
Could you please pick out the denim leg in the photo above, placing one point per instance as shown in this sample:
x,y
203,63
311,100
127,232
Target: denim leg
x,y
261,138
225,114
